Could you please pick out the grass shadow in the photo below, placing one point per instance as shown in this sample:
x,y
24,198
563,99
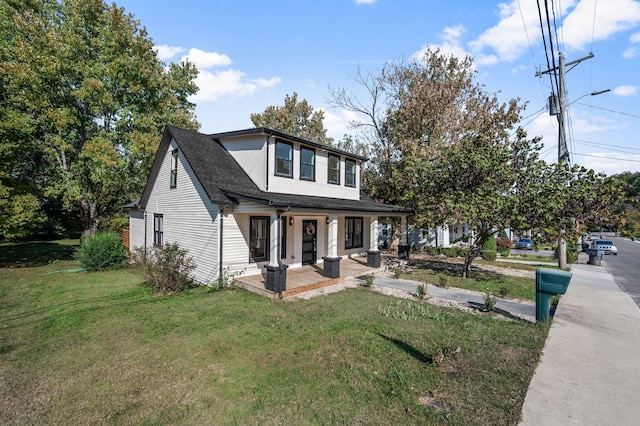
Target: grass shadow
x,y
34,253
411,350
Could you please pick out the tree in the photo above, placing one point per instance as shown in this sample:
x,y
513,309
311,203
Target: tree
x,y
430,126
90,98
452,153
296,119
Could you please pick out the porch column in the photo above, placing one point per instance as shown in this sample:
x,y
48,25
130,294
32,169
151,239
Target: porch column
x,y
276,279
373,255
403,247
332,260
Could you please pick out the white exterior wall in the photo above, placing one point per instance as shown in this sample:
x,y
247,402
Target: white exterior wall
x,y
251,155
136,229
320,187
190,219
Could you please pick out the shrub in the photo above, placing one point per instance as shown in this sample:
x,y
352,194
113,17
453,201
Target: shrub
x,y
443,280
490,244
503,243
101,252
572,256
489,301
504,252
421,291
489,254
168,268
225,279
368,279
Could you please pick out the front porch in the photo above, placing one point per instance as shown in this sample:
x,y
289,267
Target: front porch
x,y
306,278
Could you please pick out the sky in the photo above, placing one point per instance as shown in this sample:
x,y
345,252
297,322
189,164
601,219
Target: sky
x,y
252,53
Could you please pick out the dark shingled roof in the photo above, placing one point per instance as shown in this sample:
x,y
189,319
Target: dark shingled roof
x,y
225,182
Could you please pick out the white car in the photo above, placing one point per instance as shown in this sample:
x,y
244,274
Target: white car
x,y
607,245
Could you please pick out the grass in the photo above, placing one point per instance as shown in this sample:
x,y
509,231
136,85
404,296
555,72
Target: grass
x,y
449,273
100,348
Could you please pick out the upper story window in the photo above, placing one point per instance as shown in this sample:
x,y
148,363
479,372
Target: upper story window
x,y
307,163
334,169
284,159
174,169
350,173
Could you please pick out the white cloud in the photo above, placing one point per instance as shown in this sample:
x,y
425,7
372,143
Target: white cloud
x,y
635,38
626,90
206,60
579,29
365,1
450,43
508,38
230,83
167,52
338,124
631,52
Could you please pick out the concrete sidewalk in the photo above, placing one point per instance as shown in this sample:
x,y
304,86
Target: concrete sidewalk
x,y
589,372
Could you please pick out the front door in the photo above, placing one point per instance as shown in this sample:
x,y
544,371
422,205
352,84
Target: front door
x,y
309,241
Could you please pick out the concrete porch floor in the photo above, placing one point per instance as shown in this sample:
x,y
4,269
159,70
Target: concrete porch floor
x,y
306,278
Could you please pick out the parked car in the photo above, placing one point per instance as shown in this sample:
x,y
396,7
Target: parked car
x,y
607,245
524,244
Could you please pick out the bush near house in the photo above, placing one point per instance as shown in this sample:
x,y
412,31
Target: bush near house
x,y
168,267
101,252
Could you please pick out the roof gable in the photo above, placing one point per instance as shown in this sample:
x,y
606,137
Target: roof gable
x,y
224,181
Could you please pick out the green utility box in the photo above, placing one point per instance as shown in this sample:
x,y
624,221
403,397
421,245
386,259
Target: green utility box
x,y
549,282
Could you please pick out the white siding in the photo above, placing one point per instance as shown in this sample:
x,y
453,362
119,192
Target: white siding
x,y
236,245
136,229
190,219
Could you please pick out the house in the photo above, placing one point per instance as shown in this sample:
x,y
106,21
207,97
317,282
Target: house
x,y
258,201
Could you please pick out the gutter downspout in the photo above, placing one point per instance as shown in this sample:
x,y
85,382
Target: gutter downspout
x,y
220,236
145,235
267,168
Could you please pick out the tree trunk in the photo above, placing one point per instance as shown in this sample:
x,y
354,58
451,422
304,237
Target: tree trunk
x,y
474,251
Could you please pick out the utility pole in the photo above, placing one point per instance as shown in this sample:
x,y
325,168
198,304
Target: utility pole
x,y
563,154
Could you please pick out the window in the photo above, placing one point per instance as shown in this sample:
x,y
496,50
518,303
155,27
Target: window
x,y
334,169
307,163
158,229
350,173
259,238
174,168
284,159
352,232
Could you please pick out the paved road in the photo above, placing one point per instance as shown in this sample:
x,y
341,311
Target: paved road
x,y
625,267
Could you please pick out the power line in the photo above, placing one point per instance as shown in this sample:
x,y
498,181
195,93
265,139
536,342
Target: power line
x,y
609,110
604,145
607,158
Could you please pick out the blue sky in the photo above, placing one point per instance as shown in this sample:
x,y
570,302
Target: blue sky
x,y
252,53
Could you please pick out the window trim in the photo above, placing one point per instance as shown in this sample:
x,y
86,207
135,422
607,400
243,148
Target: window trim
x,y
352,220
348,161
329,169
313,164
290,145
173,180
158,231
266,238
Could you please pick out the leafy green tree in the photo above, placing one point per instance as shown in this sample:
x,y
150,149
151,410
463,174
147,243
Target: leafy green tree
x,y
296,119
84,88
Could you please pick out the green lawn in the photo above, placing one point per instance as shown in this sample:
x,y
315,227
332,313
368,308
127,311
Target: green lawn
x,y
100,348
